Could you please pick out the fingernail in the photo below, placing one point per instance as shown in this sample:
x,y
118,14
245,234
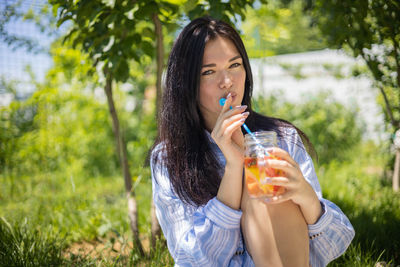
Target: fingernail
x,y
246,113
229,95
242,119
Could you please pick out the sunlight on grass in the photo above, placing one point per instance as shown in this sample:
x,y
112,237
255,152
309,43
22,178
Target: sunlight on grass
x,y
360,189
82,221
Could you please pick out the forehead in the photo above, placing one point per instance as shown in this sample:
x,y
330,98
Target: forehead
x,y
219,49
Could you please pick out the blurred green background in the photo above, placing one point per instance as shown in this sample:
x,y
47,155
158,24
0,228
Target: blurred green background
x,y
63,197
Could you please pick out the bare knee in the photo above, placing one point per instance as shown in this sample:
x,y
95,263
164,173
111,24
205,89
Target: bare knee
x,y
291,233
275,235
259,235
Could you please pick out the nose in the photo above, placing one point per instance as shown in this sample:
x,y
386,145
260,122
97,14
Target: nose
x,y
226,80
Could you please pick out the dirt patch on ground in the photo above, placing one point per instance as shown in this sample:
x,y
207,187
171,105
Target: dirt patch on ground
x,y
109,247
374,170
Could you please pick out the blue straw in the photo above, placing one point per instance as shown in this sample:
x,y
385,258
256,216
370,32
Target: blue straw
x,y
222,103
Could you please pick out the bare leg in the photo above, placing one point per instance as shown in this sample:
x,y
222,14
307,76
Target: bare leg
x,y
258,233
275,234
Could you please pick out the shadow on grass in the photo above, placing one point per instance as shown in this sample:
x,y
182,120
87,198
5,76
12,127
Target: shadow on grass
x,y
377,230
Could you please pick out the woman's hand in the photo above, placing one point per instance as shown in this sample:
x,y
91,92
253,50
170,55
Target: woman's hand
x,y
297,188
230,140
227,134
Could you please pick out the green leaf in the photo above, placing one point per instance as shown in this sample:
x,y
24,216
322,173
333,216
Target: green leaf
x,y
190,5
146,11
198,11
109,3
148,48
175,2
148,32
122,71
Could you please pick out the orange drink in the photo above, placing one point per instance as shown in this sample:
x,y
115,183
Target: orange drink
x,y
256,171
256,176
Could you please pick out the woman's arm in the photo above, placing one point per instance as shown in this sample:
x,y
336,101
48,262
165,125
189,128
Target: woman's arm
x,y
227,135
204,236
330,235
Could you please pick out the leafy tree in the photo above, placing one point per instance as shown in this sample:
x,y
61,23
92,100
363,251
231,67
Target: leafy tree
x,y
59,125
12,11
371,30
332,128
15,120
115,32
280,28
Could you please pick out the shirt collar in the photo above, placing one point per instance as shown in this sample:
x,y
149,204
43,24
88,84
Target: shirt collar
x,y
208,134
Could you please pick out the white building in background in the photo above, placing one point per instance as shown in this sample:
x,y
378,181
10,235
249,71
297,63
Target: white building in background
x,y
300,75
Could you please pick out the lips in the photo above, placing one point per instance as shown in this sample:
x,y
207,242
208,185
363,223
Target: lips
x,y
233,94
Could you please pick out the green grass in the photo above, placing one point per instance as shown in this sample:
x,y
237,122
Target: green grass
x,y
22,246
45,215
362,191
75,209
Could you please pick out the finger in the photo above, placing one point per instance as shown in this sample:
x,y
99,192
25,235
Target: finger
x,y
233,127
220,129
283,165
226,115
228,121
281,181
276,151
225,108
279,199
235,110
228,102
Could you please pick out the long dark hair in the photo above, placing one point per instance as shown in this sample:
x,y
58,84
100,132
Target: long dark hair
x,y
191,164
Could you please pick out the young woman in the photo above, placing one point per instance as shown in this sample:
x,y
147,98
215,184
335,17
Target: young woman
x,y
203,208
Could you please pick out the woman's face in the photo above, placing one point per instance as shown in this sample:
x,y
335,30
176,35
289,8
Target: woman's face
x,y
222,73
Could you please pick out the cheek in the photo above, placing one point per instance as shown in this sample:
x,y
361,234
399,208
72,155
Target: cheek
x,y
243,78
205,93
240,79
206,87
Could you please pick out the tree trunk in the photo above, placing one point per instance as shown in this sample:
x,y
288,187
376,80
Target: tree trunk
x,y
378,78
123,158
155,226
160,58
396,173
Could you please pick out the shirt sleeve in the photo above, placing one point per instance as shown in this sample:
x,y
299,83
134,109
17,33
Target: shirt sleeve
x,y
332,233
196,236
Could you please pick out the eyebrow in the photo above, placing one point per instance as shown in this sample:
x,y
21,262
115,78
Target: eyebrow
x,y
213,64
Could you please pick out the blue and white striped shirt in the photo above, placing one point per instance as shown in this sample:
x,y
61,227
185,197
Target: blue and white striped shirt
x,y
210,235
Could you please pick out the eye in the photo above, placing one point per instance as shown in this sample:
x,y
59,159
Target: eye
x,y
235,65
207,72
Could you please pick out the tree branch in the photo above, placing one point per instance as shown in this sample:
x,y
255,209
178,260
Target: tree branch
x,y
123,157
397,58
388,107
160,58
380,87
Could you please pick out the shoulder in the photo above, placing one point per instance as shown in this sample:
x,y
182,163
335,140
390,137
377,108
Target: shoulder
x,y
290,140
159,173
288,137
158,150
158,156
